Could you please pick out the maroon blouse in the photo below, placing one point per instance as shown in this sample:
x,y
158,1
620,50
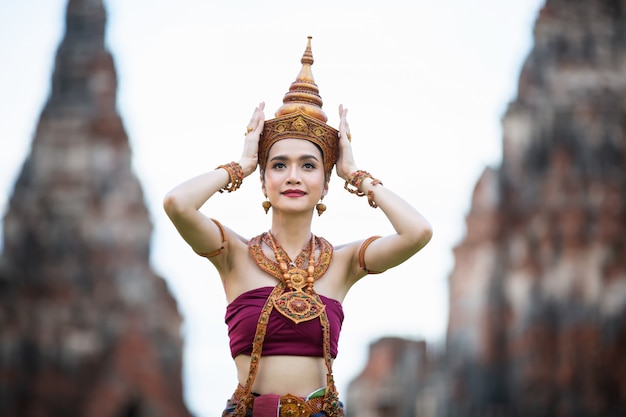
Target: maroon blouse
x,y
284,337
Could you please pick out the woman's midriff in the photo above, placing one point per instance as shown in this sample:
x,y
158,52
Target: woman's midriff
x,y
280,375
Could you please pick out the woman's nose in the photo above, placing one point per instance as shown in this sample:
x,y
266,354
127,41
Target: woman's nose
x,y
294,175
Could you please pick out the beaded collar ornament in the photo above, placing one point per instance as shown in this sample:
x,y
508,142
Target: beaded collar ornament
x,y
301,117
298,302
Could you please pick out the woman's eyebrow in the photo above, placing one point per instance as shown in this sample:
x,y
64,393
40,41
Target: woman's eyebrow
x,y
311,156
302,158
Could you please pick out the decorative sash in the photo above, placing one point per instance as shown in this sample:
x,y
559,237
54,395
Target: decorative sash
x,y
331,405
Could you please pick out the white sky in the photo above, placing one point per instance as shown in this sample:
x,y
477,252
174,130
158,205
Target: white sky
x,y
426,83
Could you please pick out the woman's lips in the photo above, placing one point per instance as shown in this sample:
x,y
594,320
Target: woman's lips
x,y
293,193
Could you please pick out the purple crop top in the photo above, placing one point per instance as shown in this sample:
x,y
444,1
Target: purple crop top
x,y
284,337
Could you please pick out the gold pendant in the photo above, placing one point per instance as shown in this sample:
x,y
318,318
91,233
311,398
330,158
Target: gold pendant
x,y
297,305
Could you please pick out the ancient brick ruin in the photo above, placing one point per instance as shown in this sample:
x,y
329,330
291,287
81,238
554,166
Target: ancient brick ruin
x,y
538,294
537,323
391,381
87,328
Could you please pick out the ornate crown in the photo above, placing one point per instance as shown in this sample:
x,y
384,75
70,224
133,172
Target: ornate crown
x,y
301,117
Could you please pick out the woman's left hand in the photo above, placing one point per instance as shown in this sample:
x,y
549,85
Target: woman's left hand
x,y
345,163
249,156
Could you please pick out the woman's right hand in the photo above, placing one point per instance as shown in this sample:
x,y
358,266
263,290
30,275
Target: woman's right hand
x,y
345,163
250,154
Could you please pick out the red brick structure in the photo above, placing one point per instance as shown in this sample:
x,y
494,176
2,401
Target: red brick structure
x,y
87,329
390,383
537,324
538,293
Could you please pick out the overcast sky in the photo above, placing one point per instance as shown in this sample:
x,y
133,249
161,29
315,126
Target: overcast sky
x,y
425,82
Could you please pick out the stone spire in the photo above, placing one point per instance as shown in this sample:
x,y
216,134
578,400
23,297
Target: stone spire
x,y
86,326
538,293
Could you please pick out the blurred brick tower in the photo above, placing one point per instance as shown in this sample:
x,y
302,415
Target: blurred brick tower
x,y
392,380
538,293
86,327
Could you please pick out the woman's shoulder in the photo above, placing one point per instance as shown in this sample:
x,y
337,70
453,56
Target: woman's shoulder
x,y
344,254
231,235
348,246
235,244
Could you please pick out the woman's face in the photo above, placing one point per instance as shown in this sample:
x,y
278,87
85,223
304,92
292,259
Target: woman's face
x,y
294,175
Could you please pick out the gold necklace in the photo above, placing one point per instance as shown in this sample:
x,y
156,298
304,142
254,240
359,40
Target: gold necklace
x,y
299,302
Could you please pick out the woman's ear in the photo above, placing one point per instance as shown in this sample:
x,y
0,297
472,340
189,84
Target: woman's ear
x,y
325,189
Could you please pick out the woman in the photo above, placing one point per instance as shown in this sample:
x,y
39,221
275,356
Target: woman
x,y
285,287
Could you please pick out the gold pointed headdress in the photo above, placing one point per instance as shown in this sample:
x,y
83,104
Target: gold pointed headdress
x,y
301,117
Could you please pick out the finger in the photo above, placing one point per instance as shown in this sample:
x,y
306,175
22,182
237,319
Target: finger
x,y
343,121
259,111
258,117
251,123
342,111
344,128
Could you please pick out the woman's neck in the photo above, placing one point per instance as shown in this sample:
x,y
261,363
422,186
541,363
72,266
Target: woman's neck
x,y
292,233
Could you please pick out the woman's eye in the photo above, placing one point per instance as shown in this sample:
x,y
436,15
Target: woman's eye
x,y
278,165
309,165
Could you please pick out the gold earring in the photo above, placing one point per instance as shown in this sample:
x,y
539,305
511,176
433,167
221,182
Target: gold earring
x,y
266,205
320,207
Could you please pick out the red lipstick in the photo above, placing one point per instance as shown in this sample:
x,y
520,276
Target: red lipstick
x,y
293,193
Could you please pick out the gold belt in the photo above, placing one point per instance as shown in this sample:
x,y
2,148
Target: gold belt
x,y
288,405
292,406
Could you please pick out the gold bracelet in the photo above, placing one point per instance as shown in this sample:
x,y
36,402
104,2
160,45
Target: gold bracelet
x,y
370,199
235,175
356,179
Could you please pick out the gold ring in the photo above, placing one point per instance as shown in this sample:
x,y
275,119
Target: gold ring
x,y
349,137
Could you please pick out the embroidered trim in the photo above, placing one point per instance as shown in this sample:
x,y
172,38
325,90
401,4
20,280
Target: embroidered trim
x,y
257,346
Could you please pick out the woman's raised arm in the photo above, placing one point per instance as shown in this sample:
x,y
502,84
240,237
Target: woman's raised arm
x,y
182,203
413,231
